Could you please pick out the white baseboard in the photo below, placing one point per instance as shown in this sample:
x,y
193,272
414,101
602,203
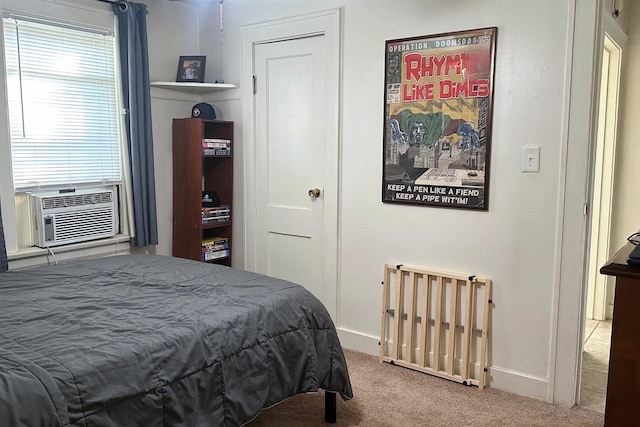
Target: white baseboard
x,y
359,342
498,378
518,383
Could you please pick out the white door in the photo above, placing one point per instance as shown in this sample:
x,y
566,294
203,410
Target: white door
x,y
291,147
289,161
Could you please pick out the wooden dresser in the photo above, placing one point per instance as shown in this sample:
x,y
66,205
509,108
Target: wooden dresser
x,y
623,383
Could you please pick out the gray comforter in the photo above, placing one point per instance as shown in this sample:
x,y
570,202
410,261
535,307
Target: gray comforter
x,y
146,340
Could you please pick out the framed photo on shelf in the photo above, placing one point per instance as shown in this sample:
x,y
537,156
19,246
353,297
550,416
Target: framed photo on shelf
x,y
191,69
437,119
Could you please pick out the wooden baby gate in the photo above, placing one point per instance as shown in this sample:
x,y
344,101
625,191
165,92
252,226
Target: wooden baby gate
x,y
438,323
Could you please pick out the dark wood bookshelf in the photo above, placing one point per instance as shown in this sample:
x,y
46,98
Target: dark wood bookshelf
x,y
194,172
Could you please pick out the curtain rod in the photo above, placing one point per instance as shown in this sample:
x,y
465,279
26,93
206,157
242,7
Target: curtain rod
x,y
114,2
121,3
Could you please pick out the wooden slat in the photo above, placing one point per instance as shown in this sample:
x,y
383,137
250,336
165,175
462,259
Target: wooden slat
x,y
440,374
451,354
425,315
468,330
408,269
438,324
397,316
385,306
411,319
485,329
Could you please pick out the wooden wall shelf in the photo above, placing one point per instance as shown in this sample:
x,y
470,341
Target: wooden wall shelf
x,y
193,87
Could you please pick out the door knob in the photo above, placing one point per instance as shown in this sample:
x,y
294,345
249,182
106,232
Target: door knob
x,y
314,192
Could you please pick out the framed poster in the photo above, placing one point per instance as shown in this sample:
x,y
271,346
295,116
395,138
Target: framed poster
x,y
437,119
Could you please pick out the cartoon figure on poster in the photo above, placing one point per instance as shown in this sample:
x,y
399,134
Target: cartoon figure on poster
x,y
437,119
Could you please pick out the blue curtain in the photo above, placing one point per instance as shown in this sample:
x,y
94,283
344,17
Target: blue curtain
x,y
134,62
4,265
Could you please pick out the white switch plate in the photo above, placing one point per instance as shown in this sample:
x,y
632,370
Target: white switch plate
x,y
530,159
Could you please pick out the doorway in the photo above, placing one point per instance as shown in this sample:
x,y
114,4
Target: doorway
x,y
601,288
290,106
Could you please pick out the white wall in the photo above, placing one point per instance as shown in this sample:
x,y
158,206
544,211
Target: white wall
x,y
518,242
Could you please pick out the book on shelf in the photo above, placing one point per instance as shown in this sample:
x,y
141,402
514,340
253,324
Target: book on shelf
x,y
216,214
222,140
215,241
215,152
209,256
213,209
215,219
216,145
214,248
223,209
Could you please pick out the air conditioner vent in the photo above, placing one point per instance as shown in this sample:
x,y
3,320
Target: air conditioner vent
x,y
71,200
83,223
71,218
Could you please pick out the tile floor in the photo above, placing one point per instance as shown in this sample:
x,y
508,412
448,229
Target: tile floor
x,y
595,364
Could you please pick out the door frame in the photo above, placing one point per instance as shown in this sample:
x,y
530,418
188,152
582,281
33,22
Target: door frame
x,y
579,112
586,28
606,27
327,24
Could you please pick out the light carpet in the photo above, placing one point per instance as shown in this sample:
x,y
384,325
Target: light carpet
x,y
389,395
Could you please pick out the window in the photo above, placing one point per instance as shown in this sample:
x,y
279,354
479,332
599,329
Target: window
x,y
63,105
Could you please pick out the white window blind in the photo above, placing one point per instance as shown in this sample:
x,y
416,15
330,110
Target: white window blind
x,y
63,109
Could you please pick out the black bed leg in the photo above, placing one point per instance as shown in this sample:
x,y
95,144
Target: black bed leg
x,y
330,407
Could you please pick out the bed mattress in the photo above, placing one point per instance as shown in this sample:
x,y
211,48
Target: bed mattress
x,y
147,340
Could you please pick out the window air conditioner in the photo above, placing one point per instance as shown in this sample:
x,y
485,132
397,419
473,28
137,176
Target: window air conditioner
x,y
63,218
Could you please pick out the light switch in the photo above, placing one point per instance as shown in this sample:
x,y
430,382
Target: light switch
x,y
530,159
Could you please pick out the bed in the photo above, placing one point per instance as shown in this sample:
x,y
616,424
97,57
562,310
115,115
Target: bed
x,y
149,340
